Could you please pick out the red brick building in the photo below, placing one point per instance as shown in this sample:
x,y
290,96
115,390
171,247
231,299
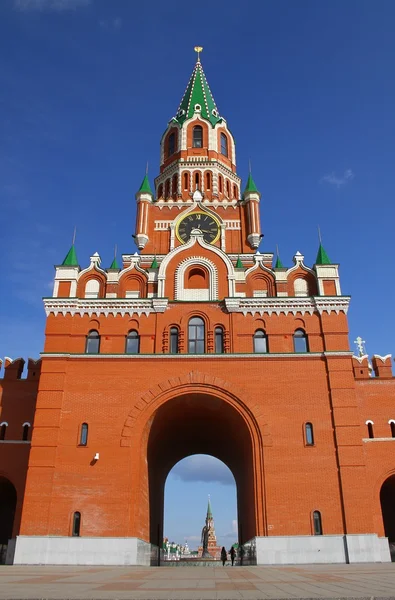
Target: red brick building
x,y
202,338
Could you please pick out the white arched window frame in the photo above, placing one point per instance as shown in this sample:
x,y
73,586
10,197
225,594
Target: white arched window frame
x,y
199,294
369,425
25,431
391,423
301,287
3,430
92,288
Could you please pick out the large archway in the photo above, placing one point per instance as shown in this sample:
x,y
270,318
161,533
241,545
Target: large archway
x,y
7,514
387,499
202,423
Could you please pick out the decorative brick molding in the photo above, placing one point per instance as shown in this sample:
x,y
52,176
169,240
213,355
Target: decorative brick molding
x,y
287,305
191,382
105,306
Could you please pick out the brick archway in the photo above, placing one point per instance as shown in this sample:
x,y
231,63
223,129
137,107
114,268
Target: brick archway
x,y
204,414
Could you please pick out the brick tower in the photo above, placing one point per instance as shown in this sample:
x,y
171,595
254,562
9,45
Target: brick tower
x,y
203,338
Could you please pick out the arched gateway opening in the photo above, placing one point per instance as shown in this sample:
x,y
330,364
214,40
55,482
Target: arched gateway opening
x,y
7,514
387,499
206,423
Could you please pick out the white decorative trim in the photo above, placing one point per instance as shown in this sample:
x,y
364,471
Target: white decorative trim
x,y
382,358
195,239
369,422
105,306
232,224
15,442
211,357
26,423
360,359
162,225
4,423
391,421
386,439
277,305
182,294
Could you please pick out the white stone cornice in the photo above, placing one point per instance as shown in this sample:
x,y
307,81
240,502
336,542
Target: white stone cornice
x,y
105,306
286,305
267,356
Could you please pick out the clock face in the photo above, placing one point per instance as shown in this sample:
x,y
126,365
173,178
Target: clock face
x,y
207,224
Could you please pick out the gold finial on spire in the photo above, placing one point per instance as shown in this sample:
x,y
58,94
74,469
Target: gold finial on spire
x,y
198,49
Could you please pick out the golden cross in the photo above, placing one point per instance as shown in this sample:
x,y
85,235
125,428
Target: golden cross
x,y
198,49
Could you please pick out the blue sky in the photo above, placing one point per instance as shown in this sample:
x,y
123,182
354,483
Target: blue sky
x,y
88,86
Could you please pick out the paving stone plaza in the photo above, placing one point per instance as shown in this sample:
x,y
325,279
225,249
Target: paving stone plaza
x,y
208,583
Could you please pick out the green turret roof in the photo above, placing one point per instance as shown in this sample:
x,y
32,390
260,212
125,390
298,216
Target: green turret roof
x,y
145,186
154,264
71,258
114,264
198,92
239,264
279,264
209,513
250,185
322,257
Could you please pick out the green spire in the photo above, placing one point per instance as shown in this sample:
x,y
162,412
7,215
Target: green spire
x,y
198,92
71,258
250,186
145,186
114,264
154,264
209,513
279,264
322,257
239,264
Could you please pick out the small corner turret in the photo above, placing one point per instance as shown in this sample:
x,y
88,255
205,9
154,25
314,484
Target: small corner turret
x,y
251,199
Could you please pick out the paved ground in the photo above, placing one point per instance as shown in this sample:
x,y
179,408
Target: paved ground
x,y
208,583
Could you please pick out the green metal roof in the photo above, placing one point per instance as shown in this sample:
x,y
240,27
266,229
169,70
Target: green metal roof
x,y
71,258
114,264
154,264
239,264
279,264
198,92
322,257
250,185
145,186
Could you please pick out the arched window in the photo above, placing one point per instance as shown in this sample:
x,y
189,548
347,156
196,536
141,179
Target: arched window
x,y
370,429
171,144
196,336
25,431
228,188
317,523
224,144
160,190
75,532
309,434
235,194
208,181
392,425
197,181
84,434
167,188
220,183
174,185
260,341
92,342
132,342
3,430
197,141
300,341
173,340
92,288
186,181
219,340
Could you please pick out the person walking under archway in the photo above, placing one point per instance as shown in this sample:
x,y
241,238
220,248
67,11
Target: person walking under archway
x,y
232,555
